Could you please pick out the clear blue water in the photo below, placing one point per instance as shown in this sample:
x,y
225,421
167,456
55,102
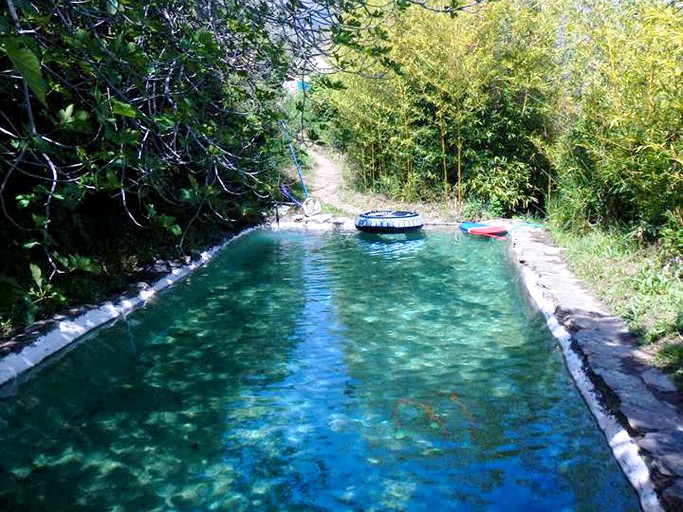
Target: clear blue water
x,y
316,372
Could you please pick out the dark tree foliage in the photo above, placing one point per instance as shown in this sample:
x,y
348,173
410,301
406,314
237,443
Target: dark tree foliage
x,y
123,126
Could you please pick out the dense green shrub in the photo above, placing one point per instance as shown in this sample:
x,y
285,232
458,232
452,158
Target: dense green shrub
x,y
618,157
127,130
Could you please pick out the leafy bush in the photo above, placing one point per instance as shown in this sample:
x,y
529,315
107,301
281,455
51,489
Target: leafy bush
x,y
618,154
128,130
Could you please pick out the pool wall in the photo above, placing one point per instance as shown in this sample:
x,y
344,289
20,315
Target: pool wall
x,y
634,404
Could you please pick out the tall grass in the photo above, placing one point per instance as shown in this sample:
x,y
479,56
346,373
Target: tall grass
x,y
637,283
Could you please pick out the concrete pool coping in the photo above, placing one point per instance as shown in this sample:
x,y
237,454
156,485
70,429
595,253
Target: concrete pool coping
x,y
637,407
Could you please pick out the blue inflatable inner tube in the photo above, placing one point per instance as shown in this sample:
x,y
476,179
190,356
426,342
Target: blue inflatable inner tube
x,y
389,221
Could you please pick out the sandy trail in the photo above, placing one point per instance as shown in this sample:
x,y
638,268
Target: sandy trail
x,y
328,185
328,181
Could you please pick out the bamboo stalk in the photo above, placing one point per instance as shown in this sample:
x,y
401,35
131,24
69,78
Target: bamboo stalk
x,y
407,130
444,166
459,160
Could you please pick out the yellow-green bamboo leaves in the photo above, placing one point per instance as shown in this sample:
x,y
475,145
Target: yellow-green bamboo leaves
x,y
570,107
457,118
619,154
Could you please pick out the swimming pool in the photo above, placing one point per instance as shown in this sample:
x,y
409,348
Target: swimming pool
x,y
316,371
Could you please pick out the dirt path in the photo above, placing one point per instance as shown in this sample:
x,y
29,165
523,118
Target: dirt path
x,y
328,182
329,186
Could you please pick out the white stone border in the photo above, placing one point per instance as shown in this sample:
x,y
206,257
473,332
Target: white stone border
x,y
623,447
69,330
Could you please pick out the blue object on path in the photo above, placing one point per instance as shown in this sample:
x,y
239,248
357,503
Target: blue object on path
x,y
296,162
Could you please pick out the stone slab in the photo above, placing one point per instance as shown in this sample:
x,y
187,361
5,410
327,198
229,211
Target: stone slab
x,y
632,400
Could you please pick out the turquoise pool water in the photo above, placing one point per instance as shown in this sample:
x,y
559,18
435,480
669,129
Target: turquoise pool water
x,y
315,372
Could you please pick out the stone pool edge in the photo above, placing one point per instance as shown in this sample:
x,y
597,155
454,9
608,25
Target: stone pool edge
x,y
626,395
69,330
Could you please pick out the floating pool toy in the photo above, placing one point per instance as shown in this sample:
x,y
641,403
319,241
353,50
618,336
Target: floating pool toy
x,y
465,226
489,230
389,221
481,229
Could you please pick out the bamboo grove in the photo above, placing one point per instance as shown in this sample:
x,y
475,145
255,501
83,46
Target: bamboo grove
x,y
570,108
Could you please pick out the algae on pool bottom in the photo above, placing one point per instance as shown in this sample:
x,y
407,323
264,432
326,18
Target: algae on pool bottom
x,y
316,372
